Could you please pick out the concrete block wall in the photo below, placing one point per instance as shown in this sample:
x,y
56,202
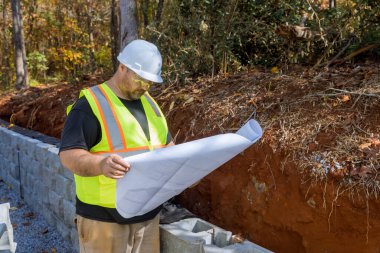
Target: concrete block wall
x,y
33,169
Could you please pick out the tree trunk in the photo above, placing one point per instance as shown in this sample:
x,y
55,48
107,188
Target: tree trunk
x,y
332,4
114,30
6,64
145,11
157,18
18,40
90,33
128,22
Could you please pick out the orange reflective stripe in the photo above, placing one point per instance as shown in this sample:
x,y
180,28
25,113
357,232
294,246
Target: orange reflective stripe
x,y
159,146
114,115
103,119
129,149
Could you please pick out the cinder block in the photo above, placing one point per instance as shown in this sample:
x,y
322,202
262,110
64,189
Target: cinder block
x,y
68,213
15,184
74,240
198,236
61,185
63,229
55,201
14,157
40,150
48,177
71,196
49,216
45,197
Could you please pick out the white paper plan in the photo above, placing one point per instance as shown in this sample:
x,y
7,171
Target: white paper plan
x,y
157,176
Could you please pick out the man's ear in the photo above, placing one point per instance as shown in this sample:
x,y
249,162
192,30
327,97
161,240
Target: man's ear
x,y
123,68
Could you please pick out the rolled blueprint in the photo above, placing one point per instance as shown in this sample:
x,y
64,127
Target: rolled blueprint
x,y
157,176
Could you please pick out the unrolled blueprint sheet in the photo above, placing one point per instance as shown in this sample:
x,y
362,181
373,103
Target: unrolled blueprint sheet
x,y
161,174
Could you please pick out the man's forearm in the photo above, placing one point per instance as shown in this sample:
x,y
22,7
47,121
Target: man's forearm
x,y
82,162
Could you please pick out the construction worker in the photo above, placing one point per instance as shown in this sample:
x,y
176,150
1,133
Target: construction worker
x,y
110,121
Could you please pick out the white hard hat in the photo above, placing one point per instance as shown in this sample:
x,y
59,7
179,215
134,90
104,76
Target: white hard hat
x,y
143,58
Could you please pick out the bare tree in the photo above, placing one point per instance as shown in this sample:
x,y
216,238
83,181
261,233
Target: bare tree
x,y
5,58
114,30
332,4
145,10
20,54
128,22
157,18
90,32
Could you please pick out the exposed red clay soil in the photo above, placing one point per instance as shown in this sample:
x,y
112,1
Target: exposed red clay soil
x,y
309,185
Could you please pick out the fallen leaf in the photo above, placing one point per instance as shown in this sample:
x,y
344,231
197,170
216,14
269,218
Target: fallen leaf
x,y
311,202
191,99
275,70
53,250
345,98
29,215
45,231
365,145
171,105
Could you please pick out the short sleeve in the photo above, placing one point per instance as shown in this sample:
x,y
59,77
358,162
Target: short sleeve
x,y
82,129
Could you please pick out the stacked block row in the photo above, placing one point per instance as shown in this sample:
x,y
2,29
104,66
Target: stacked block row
x,y
33,169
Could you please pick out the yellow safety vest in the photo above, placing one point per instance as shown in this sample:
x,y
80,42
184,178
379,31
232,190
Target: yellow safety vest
x,y
121,134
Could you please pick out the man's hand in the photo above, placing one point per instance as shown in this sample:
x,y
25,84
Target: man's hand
x,y
85,164
114,166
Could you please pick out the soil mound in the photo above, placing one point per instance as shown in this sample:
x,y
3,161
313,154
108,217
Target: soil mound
x,y
310,184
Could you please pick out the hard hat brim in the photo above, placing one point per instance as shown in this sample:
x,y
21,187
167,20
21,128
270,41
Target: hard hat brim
x,y
147,76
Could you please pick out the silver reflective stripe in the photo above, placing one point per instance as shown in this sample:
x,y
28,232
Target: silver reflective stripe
x,y
113,129
158,114
126,154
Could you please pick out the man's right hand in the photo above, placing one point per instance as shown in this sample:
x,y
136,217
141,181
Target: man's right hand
x,y
85,164
114,166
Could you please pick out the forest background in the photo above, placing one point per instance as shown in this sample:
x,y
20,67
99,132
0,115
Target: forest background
x,y
72,39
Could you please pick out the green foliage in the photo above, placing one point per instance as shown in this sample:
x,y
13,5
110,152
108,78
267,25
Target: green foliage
x,y
37,65
196,37
103,57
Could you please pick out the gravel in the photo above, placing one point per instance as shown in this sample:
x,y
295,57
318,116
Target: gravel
x,y
31,232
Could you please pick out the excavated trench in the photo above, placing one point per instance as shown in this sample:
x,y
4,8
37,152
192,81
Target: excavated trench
x,y
262,194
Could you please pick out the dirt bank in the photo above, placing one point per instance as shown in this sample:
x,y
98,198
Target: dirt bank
x,y
309,185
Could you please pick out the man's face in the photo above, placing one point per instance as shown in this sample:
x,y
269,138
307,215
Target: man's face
x,y
133,86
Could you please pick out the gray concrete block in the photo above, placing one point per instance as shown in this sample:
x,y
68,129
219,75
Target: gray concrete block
x,y
50,218
61,185
56,202
15,184
14,157
71,191
56,165
196,235
69,213
68,174
63,229
34,168
45,196
2,161
14,170
74,240
48,177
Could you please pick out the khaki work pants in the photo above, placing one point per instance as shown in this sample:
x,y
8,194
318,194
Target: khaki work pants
x,y
107,237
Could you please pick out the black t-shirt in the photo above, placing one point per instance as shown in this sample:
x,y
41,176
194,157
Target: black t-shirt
x,y
82,130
